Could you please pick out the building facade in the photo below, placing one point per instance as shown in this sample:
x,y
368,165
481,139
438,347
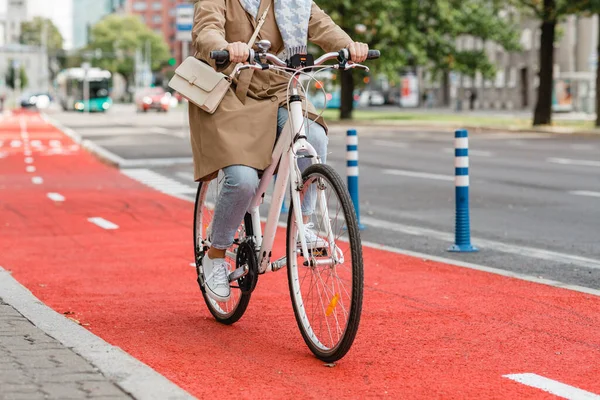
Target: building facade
x,y
16,14
159,15
516,82
86,13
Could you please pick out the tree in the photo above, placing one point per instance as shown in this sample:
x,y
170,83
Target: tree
x,y
550,13
414,33
41,31
11,77
118,37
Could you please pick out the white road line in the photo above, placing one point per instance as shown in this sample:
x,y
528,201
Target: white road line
x,y
551,386
15,143
27,153
487,244
102,223
582,147
37,180
188,176
414,174
55,143
1,143
158,181
36,143
56,197
386,143
566,161
585,193
28,160
30,168
479,153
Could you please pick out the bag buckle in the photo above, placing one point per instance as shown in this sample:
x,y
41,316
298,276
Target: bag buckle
x,y
192,80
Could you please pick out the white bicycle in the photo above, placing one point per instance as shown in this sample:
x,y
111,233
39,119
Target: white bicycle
x,y
326,276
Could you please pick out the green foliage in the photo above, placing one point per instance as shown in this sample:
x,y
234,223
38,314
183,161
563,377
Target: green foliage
x,y
118,37
33,31
423,32
11,77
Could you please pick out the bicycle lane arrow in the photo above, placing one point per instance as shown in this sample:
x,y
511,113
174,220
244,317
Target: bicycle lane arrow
x,y
428,329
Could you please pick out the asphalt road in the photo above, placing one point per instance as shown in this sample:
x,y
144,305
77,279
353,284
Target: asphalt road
x,y
535,198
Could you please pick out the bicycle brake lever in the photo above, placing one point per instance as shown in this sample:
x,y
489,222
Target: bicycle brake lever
x,y
352,66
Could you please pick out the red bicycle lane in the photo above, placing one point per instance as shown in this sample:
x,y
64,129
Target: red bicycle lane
x,y
429,330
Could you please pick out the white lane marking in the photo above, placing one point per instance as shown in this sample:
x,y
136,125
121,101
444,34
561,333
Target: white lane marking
x,y
27,153
15,143
1,143
36,180
551,386
485,243
582,147
158,129
188,176
102,223
28,160
55,143
415,174
585,193
479,153
386,143
566,161
158,181
36,143
56,197
30,168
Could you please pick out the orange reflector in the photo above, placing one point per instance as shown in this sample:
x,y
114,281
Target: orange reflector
x,y
332,305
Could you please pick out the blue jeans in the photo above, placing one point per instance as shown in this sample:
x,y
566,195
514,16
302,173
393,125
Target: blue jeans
x,y
241,182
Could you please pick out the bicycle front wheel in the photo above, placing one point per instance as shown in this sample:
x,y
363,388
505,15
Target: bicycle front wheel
x,y
327,291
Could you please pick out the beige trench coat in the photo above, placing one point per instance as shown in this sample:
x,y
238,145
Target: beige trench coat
x,y
242,130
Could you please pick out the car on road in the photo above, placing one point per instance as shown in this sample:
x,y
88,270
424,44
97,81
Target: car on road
x,y
153,99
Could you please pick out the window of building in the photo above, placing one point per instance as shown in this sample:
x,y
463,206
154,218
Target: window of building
x,y
157,5
157,19
140,6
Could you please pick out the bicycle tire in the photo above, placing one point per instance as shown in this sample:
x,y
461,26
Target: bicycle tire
x,y
332,179
237,311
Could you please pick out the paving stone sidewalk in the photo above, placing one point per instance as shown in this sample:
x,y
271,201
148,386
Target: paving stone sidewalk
x,y
35,366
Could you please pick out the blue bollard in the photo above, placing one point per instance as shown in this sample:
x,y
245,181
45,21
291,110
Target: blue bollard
x,y
352,171
462,241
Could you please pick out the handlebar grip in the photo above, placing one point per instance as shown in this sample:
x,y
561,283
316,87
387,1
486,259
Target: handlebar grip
x,y
219,55
373,54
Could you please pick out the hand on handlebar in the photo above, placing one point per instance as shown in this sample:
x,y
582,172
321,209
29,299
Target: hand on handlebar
x,y
239,52
358,52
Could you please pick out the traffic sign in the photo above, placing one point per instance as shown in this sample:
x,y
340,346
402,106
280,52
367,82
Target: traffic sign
x,y
184,20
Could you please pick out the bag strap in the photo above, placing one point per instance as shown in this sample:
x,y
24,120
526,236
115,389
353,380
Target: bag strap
x,y
261,22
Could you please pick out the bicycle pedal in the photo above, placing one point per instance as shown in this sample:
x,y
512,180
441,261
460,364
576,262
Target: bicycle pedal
x,y
238,273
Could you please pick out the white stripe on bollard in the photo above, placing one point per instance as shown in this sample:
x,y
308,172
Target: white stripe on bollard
x,y
352,155
352,140
461,143
461,162
352,171
462,180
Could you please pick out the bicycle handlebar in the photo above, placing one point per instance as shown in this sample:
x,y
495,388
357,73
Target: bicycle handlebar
x,y
344,54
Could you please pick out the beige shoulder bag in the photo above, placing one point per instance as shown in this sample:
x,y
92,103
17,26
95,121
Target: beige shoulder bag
x,y
200,84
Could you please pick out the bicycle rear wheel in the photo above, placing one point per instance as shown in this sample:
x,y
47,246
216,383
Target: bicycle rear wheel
x,y
207,195
327,295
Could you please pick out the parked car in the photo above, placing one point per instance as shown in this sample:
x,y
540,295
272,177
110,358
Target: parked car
x,y
371,98
36,100
153,99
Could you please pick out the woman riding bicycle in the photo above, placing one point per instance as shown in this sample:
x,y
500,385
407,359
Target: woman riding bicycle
x,y
239,137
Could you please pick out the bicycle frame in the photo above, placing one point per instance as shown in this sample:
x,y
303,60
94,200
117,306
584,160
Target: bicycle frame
x,y
286,156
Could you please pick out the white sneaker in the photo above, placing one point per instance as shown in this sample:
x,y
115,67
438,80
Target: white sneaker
x,y
216,278
313,241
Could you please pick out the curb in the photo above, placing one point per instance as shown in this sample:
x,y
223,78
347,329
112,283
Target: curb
x,y
130,374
